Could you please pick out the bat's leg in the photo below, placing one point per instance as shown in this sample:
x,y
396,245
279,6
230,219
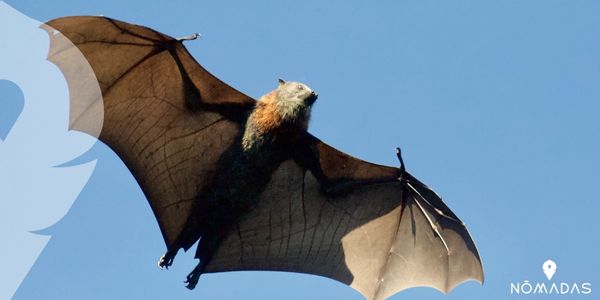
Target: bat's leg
x,y
166,260
194,276
206,249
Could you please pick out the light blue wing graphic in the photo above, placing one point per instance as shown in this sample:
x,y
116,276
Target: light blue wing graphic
x,y
38,185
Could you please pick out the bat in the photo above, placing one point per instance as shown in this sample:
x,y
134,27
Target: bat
x,y
246,179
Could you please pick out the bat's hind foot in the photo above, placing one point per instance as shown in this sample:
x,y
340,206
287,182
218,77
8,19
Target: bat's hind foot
x,y
166,260
192,278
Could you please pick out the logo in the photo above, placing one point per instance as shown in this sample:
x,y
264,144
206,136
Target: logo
x,y
42,164
549,267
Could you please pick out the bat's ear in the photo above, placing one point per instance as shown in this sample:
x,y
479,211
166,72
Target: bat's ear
x,y
281,81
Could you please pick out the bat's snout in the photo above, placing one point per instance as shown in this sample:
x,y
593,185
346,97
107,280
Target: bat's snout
x,y
312,98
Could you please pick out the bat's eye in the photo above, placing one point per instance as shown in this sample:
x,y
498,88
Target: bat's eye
x,y
300,87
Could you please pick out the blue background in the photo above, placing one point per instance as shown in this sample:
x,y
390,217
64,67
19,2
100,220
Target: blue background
x,y
495,104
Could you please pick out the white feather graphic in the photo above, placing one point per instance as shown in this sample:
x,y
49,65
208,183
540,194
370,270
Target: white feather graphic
x,y
37,189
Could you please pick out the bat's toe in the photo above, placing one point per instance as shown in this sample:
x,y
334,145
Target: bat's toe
x,y
192,280
165,261
194,276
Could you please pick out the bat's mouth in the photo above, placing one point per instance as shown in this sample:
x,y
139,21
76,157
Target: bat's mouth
x,y
312,98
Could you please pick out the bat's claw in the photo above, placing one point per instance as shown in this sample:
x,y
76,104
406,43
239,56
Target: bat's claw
x,y
192,278
402,167
166,261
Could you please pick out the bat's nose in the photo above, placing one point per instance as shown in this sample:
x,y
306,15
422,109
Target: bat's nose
x,y
312,98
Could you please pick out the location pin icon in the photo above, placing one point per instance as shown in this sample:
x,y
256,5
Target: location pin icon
x,y
549,268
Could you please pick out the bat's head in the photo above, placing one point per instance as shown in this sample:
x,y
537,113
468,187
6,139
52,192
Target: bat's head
x,y
289,106
296,93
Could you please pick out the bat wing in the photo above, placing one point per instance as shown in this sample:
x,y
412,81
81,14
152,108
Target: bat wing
x,y
165,116
326,213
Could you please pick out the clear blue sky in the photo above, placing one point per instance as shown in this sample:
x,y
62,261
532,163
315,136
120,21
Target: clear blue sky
x,y
495,103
